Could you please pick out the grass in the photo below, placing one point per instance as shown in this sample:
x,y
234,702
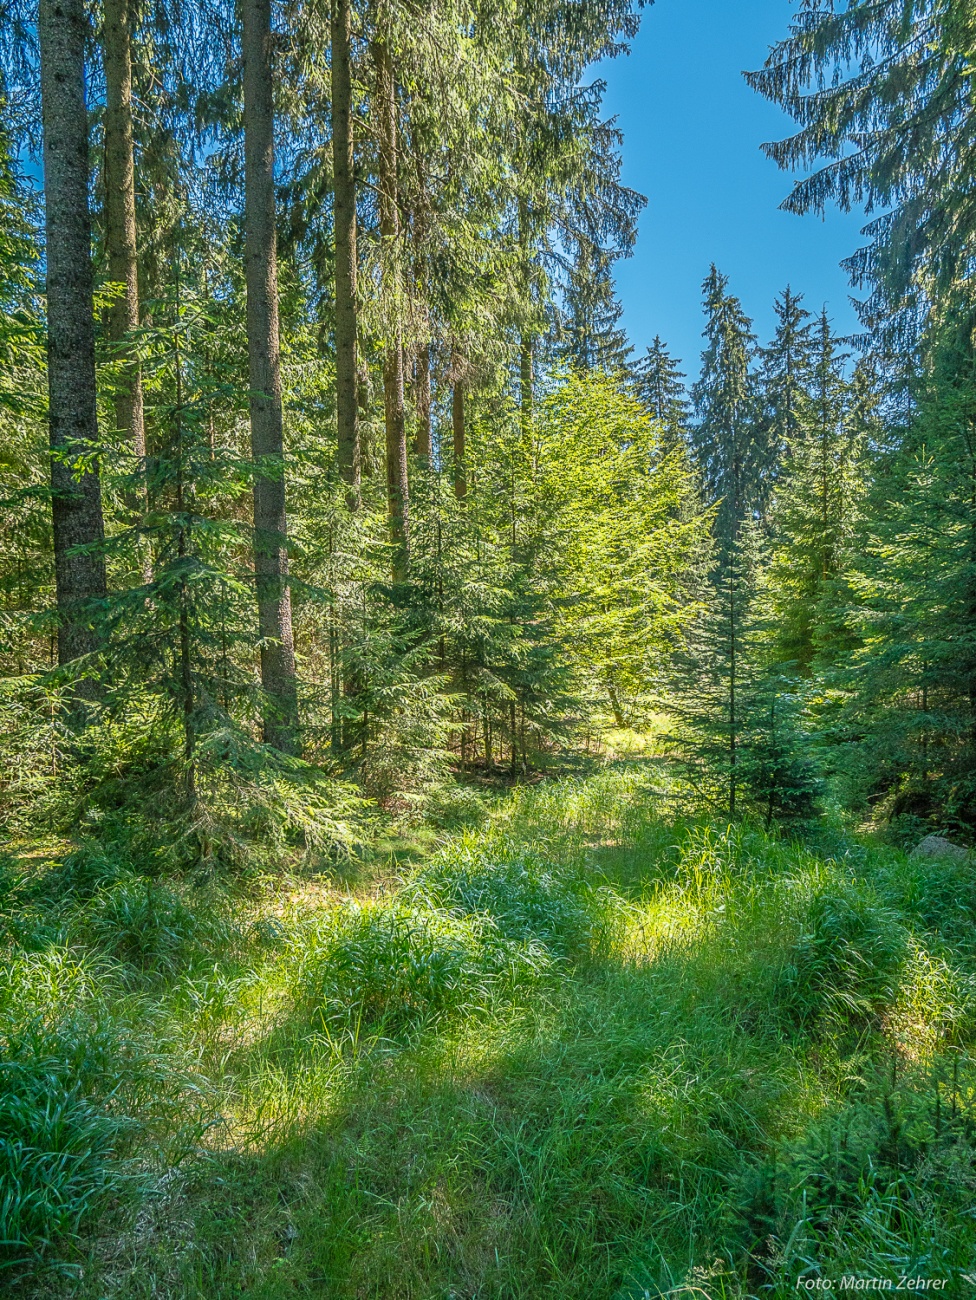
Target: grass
x,y
586,1050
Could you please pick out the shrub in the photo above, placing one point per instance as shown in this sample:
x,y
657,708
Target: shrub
x,y
881,1186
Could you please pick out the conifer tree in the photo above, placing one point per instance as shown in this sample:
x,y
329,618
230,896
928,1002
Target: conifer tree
x,y
622,507
785,378
726,436
744,729
659,384
346,257
911,682
397,487
881,90
591,333
25,542
121,244
816,512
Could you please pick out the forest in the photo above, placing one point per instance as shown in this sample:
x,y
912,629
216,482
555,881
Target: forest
x,y
487,811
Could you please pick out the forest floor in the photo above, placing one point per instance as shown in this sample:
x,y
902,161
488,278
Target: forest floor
x,y
587,1049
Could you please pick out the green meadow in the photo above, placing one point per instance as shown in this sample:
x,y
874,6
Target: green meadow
x,y
584,1048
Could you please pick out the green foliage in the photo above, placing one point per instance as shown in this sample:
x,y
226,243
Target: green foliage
x,y
621,512
728,439
909,689
746,1057
389,969
874,75
526,899
658,383
817,507
84,1083
585,1047
847,961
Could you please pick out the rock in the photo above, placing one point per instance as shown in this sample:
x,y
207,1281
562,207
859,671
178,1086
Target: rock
x,y
935,846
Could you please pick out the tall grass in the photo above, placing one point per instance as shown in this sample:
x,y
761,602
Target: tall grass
x,y
588,1050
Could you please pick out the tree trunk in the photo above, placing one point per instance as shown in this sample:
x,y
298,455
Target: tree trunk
x,y
418,231
344,183
120,219
267,443
423,402
458,431
398,494
618,714
733,669
76,498
525,336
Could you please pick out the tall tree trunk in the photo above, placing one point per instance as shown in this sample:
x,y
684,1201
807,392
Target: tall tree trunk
x,y
120,216
344,214
525,337
733,670
418,231
76,499
398,493
267,443
458,431
423,402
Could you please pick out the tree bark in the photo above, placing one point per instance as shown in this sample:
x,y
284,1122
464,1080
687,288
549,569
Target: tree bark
x,y
264,359
418,230
398,492
458,431
76,497
423,402
733,668
344,214
120,218
525,337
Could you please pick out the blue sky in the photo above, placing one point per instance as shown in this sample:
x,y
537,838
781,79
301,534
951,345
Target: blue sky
x,y
692,135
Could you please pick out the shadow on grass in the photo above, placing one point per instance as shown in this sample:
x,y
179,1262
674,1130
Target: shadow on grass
x,y
756,1085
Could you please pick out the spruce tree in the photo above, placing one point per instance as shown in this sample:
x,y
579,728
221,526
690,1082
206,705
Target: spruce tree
x,y
346,257
25,542
121,242
881,91
726,437
786,376
592,338
388,141
911,682
815,511
744,728
659,384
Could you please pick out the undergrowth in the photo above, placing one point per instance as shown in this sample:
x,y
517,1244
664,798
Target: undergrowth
x,y
588,1049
